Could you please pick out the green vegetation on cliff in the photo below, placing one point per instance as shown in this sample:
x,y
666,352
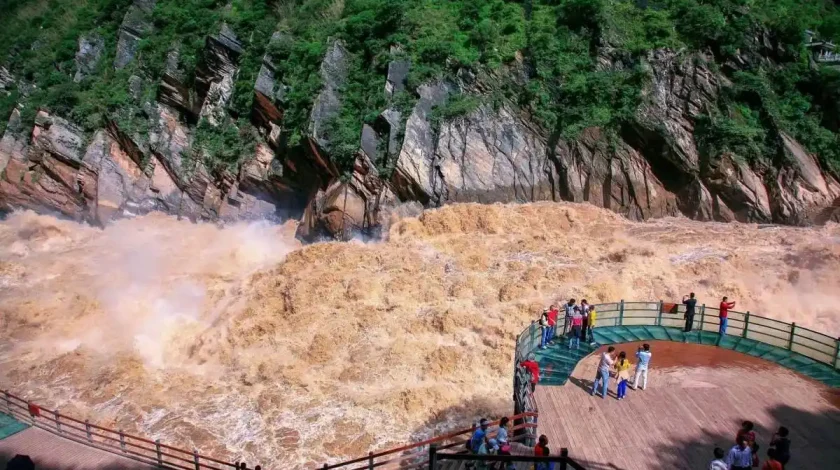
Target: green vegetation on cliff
x,y
584,63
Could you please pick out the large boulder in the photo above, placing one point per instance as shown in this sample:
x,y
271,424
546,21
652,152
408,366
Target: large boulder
x,y
88,55
51,175
800,189
268,92
136,24
349,207
415,175
620,180
327,104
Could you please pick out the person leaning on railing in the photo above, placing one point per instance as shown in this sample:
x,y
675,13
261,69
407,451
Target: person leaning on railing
x,y
533,369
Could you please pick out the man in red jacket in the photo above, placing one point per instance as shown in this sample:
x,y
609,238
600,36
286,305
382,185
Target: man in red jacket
x,y
724,314
534,369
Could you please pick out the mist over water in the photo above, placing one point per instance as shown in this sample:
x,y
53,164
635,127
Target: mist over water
x,y
242,343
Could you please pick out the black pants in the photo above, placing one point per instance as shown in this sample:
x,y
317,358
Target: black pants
x,y
689,322
741,468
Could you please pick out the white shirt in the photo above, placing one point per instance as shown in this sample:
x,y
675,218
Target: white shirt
x,y
606,361
718,464
644,359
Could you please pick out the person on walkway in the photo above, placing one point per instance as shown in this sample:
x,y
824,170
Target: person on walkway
x,y
740,456
643,355
724,314
501,444
542,450
533,369
569,310
552,324
479,435
544,328
746,432
603,374
772,462
622,374
584,312
690,304
718,463
781,445
577,329
593,315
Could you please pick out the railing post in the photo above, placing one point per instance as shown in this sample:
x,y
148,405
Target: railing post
x,y
564,455
746,324
621,313
659,315
432,456
836,352
370,460
792,333
122,440
702,317
531,342
159,454
87,431
57,421
195,459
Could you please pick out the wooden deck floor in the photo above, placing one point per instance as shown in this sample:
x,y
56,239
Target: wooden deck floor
x,y
696,398
51,452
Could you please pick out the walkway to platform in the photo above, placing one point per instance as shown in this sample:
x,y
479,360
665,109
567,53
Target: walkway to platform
x,y
51,452
697,397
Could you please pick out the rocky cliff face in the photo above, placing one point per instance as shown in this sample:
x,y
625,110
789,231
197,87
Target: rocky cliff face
x,y
651,169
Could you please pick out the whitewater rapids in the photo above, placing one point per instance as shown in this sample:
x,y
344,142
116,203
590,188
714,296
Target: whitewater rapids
x,y
244,344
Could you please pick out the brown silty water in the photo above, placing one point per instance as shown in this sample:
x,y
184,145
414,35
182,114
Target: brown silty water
x,y
242,343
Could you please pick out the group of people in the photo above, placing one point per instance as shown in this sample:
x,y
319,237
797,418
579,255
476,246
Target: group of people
x,y
619,365
578,322
690,302
480,443
744,455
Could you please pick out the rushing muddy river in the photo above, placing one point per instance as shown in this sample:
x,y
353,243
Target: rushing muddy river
x,y
244,344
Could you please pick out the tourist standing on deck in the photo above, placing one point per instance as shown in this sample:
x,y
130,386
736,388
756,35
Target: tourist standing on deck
x,y
544,328
577,329
479,436
542,450
746,432
690,304
622,374
740,456
718,463
724,314
533,369
569,310
603,374
584,312
593,315
772,462
552,323
781,444
643,355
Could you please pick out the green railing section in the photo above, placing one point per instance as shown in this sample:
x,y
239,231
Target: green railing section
x,y
803,350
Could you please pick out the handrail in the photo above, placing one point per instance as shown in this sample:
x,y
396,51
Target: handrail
x,y
83,432
418,446
747,325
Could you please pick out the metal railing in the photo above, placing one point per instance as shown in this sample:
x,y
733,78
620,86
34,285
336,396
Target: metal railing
x,y
114,441
563,461
809,343
416,455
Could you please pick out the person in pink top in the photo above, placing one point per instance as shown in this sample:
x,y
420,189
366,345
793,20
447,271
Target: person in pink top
x,y
577,329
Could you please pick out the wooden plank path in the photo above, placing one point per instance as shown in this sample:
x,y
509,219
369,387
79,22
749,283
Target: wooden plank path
x,y
697,398
52,452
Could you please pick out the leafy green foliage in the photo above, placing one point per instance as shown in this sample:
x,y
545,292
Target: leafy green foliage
x,y
559,44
